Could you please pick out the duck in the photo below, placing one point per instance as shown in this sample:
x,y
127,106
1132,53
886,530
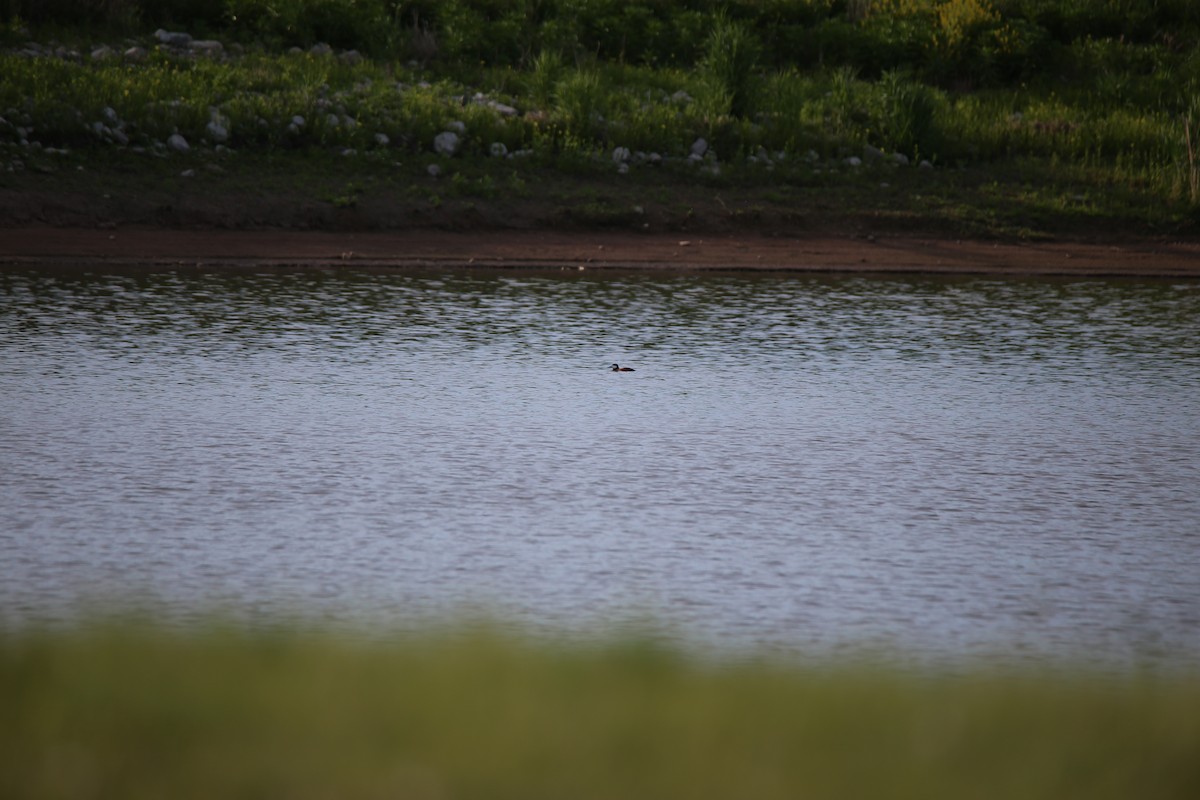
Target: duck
x,y
618,368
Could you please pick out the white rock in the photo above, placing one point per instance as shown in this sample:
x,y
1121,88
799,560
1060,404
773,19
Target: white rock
x,y
206,47
351,57
622,168
498,149
925,165
852,161
332,120
872,153
110,116
173,38
446,143
218,126
457,126
621,155
188,173
216,131
102,52
178,143
298,121
699,147
320,49
900,159
434,170
382,140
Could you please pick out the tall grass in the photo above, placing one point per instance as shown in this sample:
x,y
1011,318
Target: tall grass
x,y
643,74
125,711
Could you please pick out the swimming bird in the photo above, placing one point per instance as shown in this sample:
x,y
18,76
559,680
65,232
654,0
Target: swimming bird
x,y
617,368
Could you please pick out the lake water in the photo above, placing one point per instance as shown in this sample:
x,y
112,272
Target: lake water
x,y
935,469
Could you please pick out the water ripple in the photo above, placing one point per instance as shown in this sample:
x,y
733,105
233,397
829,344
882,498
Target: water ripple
x,y
948,467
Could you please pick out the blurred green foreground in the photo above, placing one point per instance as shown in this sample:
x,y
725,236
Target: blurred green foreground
x,y
140,711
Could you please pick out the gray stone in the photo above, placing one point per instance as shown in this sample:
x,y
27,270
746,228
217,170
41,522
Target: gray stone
x,y
498,150
135,54
320,49
382,140
434,170
458,126
621,155
872,154
188,173
298,121
110,115
173,38
177,143
216,131
699,147
924,165
446,143
102,52
852,161
351,57
207,47
900,158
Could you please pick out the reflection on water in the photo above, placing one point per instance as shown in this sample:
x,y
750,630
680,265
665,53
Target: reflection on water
x,y
947,467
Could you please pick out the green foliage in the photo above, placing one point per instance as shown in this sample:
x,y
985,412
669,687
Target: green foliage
x,y
372,26
958,81
134,711
909,116
731,55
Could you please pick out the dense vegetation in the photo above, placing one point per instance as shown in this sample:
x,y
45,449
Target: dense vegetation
x,y
133,711
1101,93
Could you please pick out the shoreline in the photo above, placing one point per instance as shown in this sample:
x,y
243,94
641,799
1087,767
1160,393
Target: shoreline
x,y
580,250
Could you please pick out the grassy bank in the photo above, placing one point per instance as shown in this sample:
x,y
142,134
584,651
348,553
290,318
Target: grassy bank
x,y
1089,105
135,711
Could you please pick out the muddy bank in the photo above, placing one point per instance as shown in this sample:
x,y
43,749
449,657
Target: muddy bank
x,y
550,250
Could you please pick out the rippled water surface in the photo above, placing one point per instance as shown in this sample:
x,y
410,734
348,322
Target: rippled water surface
x,y
943,468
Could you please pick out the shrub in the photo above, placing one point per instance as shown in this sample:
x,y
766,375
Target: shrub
x,y
731,55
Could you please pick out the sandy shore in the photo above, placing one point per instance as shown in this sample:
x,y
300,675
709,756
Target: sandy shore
x,y
589,250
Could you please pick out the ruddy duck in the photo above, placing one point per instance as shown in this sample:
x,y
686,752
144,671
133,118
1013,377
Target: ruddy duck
x,y
622,369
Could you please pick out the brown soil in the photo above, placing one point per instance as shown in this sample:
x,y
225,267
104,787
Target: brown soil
x,y
575,250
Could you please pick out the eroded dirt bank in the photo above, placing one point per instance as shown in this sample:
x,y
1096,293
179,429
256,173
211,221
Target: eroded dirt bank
x,y
589,250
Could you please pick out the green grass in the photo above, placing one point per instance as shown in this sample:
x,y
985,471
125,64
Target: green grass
x,y
134,710
1070,97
